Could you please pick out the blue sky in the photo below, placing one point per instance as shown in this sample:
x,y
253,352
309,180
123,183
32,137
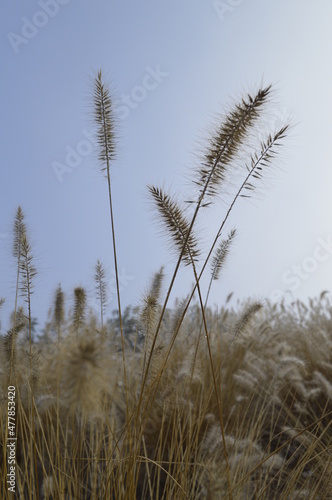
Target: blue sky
x,y
199,56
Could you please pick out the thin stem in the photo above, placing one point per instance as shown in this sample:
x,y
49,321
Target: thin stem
x,y
104,121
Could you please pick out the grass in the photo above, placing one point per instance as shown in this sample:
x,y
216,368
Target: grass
x,y
194,403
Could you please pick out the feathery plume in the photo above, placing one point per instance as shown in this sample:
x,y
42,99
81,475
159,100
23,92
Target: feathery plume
x,y
83,377
220,256
155,290
59,312
101,290
104,119
263,159
28,270
103,115
245,319
227,141
79,307
149,313
9,343
176,224
19,231
28,273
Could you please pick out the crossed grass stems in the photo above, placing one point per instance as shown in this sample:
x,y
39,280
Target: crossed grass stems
x,y
225,149
222,151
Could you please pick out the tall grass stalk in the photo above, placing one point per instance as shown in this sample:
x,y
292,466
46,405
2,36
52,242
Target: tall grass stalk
x,y
104,118
19,231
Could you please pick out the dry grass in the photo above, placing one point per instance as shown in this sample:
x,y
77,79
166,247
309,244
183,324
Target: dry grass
x,y
194,403
276,395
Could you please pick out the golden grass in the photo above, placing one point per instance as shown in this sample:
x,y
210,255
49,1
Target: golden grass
x,y
277,404
197,403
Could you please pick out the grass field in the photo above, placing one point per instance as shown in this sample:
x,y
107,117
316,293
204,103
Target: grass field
x,y
188,402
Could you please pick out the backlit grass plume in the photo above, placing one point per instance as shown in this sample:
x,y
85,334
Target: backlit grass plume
x,y
244,320
83,375
104,119
226,142
148,319
19,232
59,312
220,256
10,348
101,290
28,273
262,159
79,308
176,224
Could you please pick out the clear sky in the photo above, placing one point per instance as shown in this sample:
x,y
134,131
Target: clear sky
x,y
179,63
